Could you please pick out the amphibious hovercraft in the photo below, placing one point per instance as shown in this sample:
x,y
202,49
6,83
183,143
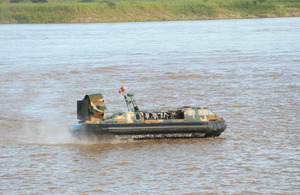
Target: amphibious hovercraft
x,y
184,122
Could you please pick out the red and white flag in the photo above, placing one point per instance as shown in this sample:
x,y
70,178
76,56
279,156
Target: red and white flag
x,y
122,89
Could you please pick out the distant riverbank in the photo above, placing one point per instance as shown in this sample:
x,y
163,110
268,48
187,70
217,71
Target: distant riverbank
x,y
98,11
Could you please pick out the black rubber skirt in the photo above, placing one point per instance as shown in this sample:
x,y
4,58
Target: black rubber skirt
x,y
150,130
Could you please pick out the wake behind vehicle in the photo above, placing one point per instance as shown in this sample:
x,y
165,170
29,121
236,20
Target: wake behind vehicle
x,y
184,122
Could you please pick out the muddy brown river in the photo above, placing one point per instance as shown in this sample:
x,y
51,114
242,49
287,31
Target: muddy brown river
x,y
247,71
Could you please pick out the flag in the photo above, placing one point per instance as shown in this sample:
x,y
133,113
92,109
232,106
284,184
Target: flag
x,y
122,89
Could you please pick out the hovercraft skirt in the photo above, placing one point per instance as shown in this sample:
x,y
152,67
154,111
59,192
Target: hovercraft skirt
x,y
151,130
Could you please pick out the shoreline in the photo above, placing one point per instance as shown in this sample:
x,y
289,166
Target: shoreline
x,y
142,11
85,21
232,17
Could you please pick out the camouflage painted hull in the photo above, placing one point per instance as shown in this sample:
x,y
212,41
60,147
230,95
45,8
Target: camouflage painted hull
x,y
167,130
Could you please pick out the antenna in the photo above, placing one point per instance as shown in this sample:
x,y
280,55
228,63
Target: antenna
x,y
130,102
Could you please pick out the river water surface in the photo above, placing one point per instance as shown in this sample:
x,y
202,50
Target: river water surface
x,y
247,71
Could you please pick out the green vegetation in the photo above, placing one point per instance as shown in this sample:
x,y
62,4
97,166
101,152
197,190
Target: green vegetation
x,y
68,11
